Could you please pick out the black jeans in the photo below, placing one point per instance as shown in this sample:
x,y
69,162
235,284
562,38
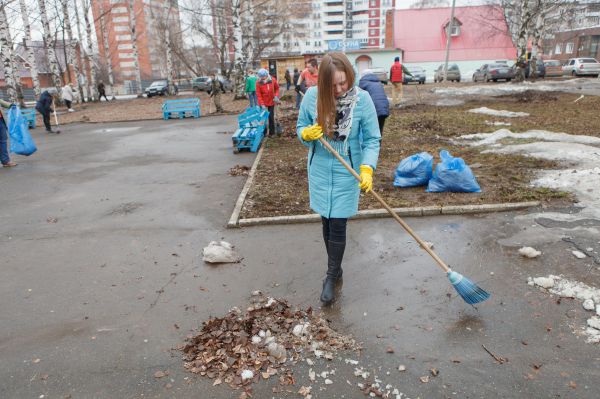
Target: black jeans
x,y
46,118
68,104
102,94
381,120
334,229
271,110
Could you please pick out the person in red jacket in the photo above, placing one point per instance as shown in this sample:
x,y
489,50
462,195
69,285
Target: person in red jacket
x,y
267,91
396,72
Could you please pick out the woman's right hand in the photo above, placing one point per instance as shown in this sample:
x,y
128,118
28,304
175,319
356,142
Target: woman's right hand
x,y
311,133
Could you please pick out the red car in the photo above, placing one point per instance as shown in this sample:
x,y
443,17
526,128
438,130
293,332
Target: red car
x,y
553,68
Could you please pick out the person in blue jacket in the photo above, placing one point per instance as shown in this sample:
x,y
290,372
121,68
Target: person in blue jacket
x,y
339,112
371,83
44,107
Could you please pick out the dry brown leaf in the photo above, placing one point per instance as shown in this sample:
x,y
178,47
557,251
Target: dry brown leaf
x,y
572,384
389,350
159,374
424,379
434,372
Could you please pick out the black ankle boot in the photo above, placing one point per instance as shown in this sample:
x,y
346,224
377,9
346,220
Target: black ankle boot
x,y
334,270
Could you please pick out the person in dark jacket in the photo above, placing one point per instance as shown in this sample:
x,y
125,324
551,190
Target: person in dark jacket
x,y
297,88
44,107
4,157
371,84
101,91
288,79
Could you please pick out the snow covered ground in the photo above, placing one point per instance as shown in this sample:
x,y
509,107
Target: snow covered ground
x,y
581,174
511,88
499,113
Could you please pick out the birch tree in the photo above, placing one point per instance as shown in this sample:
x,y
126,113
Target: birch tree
x,y
107,53
7,56
239,56
136,60
168,46
72,46
88,31
82,77
30,55
48,48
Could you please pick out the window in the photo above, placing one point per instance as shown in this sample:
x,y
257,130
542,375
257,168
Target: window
x,y
373,3
373,13
372,31
569,48
455,30
558,49
594,20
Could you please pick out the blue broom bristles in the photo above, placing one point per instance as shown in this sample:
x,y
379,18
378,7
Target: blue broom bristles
x,y
468,290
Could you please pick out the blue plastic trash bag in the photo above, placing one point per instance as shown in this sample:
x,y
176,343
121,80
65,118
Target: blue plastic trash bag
x,y
20,140
452,175
414,171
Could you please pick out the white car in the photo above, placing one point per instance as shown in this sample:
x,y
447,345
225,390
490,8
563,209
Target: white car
x,y
582,66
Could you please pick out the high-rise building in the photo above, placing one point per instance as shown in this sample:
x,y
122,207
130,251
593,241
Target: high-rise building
x,y
113,18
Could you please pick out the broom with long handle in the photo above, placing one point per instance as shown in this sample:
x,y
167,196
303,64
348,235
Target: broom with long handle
x,y
468,290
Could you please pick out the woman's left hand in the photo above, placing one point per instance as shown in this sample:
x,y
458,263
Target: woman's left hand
x,y
366,178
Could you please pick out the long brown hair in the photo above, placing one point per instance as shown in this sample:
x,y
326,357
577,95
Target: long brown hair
x,y
332,62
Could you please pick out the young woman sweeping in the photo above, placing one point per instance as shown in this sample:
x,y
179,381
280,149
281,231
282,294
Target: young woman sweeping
x,y
341,113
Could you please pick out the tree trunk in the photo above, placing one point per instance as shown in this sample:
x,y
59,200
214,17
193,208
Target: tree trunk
x,y
49,50
537,36
88,32
237,16
169,50
136,60
29,49
81,76
249,29
522,40
72,48
6,50
107,55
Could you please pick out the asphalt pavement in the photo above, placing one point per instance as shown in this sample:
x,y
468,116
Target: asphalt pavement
x,y
101,235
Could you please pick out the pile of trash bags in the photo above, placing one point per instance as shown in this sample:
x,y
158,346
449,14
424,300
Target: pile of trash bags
x,y
452,174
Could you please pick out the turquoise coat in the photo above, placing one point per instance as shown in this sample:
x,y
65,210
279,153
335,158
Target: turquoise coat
x,y
334,192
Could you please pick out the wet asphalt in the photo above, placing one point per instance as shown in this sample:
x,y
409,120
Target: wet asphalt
x,y
101,234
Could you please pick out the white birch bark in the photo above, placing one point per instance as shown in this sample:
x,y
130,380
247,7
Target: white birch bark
x,y
238,44
71,49
249,27
169,49
136,60
107,54
522,40
29,50
49,50
6,53
88,31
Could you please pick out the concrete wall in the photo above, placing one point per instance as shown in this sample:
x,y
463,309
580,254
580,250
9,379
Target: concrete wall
x,y
382,59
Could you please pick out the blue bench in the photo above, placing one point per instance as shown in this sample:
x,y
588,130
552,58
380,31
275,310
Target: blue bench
x,y
181,108
252,124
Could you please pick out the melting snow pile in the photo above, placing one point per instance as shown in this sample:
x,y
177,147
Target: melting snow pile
x,y
573,289
529,252
511,88
495,112
220,252
496,123
263,342
582,153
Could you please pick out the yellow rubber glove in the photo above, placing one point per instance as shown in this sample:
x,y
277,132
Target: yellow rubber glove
x,y
311,133
366,178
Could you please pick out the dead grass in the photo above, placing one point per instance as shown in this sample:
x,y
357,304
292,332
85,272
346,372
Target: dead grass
x,y
281,186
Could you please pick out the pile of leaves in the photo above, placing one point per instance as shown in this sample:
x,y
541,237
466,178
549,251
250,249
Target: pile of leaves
x,y
263,342
239,170
288,118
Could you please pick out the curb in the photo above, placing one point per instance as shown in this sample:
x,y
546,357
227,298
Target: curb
x,y
377,213
235,216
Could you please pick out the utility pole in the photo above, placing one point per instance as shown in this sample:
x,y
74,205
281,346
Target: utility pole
x,y
449,37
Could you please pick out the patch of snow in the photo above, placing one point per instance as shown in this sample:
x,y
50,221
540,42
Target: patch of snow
x,y
220,252
574,289
500,113
496,123
579,254
529,252
511,88
544,135
448,102
588,304
247,374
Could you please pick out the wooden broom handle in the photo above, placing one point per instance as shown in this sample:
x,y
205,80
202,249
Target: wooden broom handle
x,y
406,227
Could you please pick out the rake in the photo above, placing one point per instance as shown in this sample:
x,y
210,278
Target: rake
x,y
469,291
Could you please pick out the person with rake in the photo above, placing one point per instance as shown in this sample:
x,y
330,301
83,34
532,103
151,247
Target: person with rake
x,y
338,112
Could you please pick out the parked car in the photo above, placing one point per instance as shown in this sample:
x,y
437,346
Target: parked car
x,y
202,83
453,73
381,73
541,69
494,72
553,68
418,75
581,67
157,88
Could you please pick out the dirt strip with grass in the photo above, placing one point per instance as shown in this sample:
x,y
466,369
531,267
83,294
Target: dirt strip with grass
x,y
281,188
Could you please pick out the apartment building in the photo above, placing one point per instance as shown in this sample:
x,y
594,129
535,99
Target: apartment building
x,y
116,24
